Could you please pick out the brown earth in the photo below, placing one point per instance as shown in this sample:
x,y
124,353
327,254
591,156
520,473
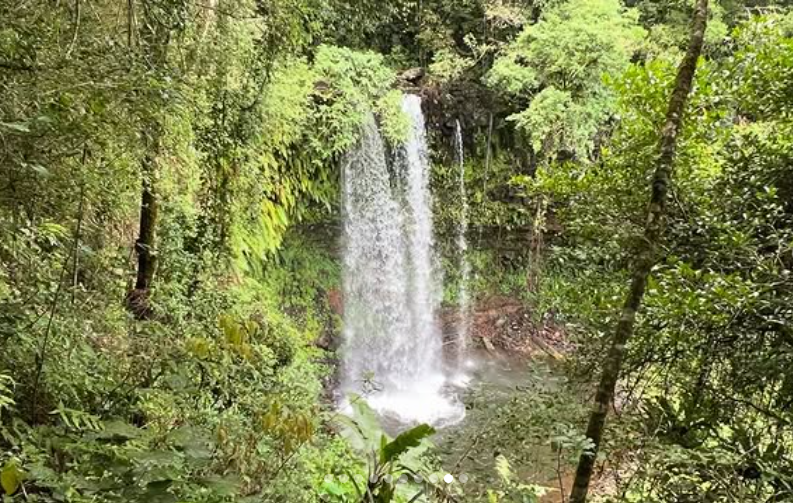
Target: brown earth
x,y
506,324
497,323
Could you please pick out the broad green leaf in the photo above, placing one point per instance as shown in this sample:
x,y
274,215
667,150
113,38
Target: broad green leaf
x,y
405,441
119,430
11,477
362,430
222,486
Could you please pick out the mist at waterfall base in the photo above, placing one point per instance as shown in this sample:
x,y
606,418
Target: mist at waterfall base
x,y
392,351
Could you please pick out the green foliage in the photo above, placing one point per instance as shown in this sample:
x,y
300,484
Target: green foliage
x,y
6,393
211,404
404,442
236,112
216,396
351,83
448,65
703,393
103,408
513,491
558,64
310,116
668,22
394,123
395,469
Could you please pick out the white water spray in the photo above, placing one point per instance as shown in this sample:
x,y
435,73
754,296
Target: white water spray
x,y
392,350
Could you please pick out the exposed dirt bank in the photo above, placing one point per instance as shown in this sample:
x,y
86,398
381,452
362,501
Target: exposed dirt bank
x,y
507,325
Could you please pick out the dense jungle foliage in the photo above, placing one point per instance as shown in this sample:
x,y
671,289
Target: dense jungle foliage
x,y
169,205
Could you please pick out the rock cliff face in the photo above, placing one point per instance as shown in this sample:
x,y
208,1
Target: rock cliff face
x,y
336,302
480,112
329,339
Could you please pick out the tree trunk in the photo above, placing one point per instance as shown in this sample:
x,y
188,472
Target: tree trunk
x,y
138,299
153,40
646,253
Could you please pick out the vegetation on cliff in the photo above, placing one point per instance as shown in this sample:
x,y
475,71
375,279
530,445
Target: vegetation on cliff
x,y
162,294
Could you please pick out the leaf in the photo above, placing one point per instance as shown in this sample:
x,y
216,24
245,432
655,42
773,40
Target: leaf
x,y
333,488
157,492
11,477
119,430
38,168
222,486
365,418
16,126
405,441
157,458
503,469
363,430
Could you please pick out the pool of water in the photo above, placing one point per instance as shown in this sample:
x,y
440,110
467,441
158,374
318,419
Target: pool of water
x,y
509,411
487,389
498,371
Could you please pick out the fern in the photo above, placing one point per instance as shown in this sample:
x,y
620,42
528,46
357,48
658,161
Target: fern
x,y
77,419
504,469
6,393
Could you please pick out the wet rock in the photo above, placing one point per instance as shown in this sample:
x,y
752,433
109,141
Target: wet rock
x,y
326,341
506,324
412,76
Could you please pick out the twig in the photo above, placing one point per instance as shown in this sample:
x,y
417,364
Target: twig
x,y
473,444
41,356
559,474
416,497
76,27
77,233
130,21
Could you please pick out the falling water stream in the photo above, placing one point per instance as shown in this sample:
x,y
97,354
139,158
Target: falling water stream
x,y
424,293
392,347
464,300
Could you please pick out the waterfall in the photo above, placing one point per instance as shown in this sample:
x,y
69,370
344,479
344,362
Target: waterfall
x,y
414,170
392,346
375,287
464,301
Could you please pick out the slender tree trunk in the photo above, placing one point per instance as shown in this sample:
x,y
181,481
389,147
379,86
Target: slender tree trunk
x,y
137,299
144,246
153,42
130,22
646,254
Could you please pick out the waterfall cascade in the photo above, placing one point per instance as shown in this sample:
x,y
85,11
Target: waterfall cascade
x,y
392,350
413,169
464,300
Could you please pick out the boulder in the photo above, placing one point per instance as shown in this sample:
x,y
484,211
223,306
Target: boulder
x,y
412,76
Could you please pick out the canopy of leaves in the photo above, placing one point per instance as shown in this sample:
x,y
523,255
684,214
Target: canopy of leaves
x,y
557,65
